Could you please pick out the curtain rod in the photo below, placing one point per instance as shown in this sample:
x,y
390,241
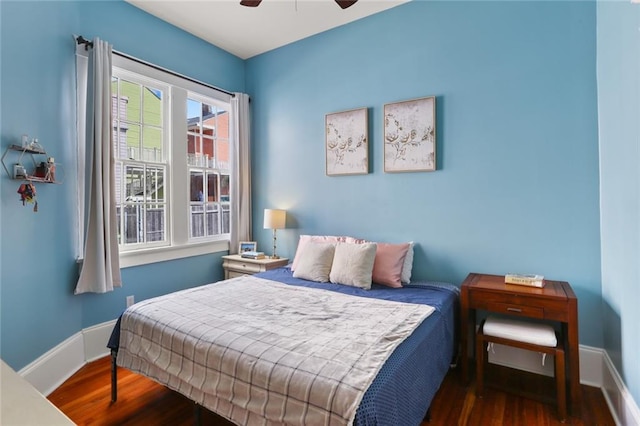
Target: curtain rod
x,y
89,43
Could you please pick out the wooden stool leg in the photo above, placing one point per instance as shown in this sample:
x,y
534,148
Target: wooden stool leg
x,y
561,385
480,348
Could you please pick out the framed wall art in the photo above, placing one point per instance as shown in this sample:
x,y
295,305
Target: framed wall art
x,y
410,135
347,142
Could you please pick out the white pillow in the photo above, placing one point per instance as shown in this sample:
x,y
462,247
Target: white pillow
x,y
306,239
315,262
405,276
353,264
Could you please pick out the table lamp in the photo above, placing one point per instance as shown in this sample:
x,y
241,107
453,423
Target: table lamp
x,y
274,219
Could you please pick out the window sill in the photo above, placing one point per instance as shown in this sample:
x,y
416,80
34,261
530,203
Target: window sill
x,y
161,254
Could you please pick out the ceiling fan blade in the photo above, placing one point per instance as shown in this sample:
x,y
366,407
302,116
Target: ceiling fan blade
x,y
250,3
346,3
342,3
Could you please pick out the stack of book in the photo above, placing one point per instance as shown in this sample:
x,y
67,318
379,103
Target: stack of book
x,y
525,279
252,254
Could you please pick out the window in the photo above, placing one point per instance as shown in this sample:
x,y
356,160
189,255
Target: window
x,y
209,167
172,144
139,108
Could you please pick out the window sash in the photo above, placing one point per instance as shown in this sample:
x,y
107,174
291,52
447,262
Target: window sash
x,y
207,121
143,216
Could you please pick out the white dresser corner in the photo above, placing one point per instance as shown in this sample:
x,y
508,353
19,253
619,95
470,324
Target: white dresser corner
x,y
22,404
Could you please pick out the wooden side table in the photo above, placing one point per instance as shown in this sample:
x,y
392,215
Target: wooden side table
x,y
555,301
235,265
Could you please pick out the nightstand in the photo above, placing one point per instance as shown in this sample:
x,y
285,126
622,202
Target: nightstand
x,y
556,301
235,265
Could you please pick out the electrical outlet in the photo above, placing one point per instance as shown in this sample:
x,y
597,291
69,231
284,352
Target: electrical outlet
x,y
130,301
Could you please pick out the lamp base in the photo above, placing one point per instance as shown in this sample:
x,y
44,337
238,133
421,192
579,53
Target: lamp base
x,y
274,255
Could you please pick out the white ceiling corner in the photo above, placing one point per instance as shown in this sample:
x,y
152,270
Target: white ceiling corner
x,y
246,32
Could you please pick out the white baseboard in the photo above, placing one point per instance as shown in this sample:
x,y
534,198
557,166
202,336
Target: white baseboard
x,y
590,362
95,340
623,408
61,362
521,359
596,369
55,366
591,366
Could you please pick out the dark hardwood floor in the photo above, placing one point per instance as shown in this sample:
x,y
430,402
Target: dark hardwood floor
x,y
86,399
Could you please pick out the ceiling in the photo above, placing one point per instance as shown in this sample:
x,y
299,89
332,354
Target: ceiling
x,y
246,31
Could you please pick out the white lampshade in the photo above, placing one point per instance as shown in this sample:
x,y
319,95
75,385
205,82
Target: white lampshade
x,y
274,219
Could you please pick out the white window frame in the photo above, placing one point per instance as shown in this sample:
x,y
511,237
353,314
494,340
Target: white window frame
x,y
166,162
177,226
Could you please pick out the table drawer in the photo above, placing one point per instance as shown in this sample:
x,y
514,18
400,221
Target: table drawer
x,y
248,268
515,309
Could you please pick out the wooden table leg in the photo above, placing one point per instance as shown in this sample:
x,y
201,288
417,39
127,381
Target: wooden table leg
x,y
464,334
574,362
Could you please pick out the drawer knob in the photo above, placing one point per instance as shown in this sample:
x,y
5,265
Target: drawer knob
x,y
514,309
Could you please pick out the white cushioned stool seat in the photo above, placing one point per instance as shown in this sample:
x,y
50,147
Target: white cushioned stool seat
x,y
534,333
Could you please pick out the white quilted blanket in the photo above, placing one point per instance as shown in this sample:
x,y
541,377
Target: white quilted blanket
x,y
260,352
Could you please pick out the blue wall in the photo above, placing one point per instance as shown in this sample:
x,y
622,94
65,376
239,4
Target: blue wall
x,y
619,110
37,275
517,182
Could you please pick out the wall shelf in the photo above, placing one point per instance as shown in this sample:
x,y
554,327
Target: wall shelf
x,y
41,170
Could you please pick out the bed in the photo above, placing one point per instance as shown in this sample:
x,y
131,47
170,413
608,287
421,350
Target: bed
x,y
399,390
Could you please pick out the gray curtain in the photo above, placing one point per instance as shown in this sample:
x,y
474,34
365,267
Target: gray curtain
x,y
241,173
101,265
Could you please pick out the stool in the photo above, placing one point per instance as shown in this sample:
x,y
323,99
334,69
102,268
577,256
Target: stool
x,y
525,335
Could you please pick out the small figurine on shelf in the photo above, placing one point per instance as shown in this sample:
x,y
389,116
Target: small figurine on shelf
x,y
35,145
27,193
51,170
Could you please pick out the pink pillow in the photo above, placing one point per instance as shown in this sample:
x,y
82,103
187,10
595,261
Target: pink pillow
x,y
387,267
304,239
